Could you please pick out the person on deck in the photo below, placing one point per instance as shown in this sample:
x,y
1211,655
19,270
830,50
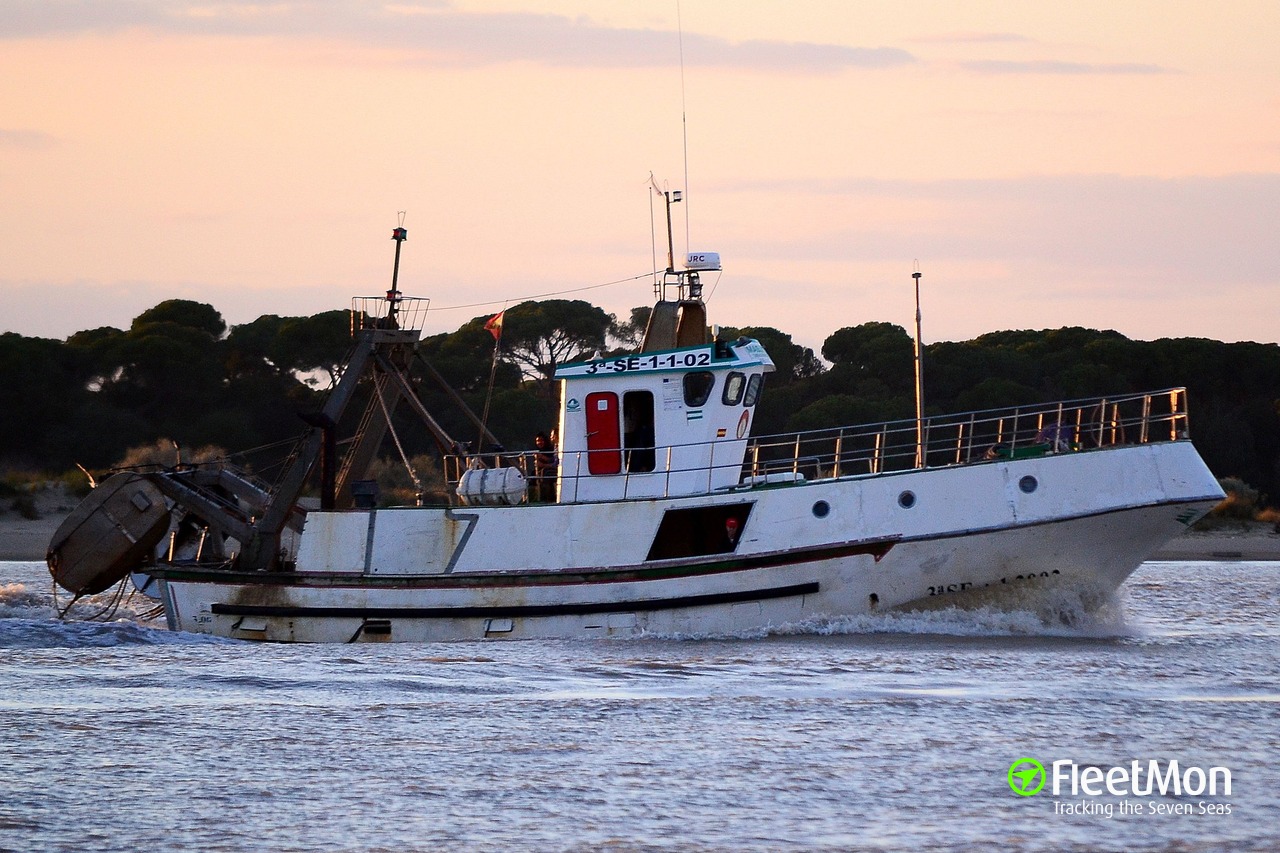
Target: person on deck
x,y
544,469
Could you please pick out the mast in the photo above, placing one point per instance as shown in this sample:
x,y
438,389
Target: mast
x,y
919,376
399,234
672,197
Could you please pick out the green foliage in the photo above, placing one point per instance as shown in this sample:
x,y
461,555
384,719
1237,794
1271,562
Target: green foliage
x,y
842,409
178,372
183,312
249,347
465,358
1241,503
866,345
994,393
538,336
319,342
75,482
165,453
396,486
792,361
41,385
630,333
872,350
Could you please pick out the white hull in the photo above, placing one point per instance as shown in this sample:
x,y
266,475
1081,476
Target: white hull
x,y
806,552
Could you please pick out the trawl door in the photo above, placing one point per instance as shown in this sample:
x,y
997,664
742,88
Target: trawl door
x,y
604,435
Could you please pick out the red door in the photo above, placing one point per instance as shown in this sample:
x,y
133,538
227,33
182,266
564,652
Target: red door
x,y
604,435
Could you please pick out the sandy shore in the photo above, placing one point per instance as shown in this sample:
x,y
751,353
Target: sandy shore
x,y
28,539
1249,542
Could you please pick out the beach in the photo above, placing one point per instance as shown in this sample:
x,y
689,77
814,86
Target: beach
x,y
28,539
1249,541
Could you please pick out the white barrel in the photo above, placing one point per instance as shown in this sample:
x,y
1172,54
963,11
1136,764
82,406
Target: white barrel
x,y
492,486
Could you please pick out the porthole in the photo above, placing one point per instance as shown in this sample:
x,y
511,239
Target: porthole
x,y
1028,484
907,499
821,508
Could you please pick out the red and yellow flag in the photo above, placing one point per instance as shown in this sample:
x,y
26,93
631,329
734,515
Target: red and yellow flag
x,y
494,326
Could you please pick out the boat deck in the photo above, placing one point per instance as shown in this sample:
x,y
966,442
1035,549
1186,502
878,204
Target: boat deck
x,y
977,437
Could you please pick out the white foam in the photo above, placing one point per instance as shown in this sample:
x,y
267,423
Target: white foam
x,y
29,619
1025,610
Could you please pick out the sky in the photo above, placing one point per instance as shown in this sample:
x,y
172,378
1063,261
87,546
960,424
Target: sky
x,y
1099,164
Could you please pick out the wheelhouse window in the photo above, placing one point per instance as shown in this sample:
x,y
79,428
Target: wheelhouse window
x,y
754,384
637,431
733,387
697,387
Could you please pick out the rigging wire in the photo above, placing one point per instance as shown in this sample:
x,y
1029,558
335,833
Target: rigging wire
x,y
543,295
413,475
653,232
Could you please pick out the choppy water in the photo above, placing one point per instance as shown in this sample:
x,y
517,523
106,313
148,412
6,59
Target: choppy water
x,y
886,733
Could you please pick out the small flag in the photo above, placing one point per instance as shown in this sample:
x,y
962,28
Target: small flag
x,y
721,433
494,326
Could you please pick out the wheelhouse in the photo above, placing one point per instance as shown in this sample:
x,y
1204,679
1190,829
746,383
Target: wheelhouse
x,y
660,423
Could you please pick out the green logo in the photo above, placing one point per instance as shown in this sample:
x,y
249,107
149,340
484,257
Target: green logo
x,y
1026,777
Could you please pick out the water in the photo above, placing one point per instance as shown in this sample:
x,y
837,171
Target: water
x,y
886,733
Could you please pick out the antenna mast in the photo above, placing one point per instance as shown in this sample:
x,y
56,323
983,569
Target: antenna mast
x,y
919,376
684,127
393,295
671,197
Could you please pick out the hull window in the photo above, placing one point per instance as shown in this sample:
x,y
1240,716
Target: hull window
x,y
637,436
604,455
699,531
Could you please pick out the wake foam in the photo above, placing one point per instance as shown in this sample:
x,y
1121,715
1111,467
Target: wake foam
x,y
56,634
1025,610
29,619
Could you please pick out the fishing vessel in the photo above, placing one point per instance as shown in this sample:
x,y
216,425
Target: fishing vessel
x,y
656,512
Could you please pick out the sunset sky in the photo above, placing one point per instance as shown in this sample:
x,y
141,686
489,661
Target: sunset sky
x,y
1102,164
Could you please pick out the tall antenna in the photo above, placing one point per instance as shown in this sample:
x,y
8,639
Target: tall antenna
x,y
684,124
653,235
919,360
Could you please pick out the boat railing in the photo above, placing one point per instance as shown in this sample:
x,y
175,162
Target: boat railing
x,y
983,436
1017,432
408,313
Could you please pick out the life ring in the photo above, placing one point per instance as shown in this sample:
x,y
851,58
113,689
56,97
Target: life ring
x,y
743,423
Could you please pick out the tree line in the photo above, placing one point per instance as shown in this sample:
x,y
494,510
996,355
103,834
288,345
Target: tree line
x,y
179,373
